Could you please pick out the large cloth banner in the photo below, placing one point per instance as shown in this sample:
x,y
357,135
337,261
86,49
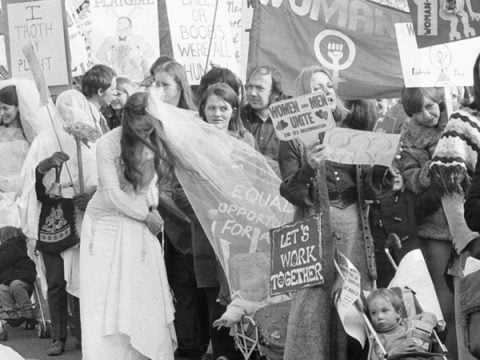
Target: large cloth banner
x,y
232,189
123,36
442,21
354,39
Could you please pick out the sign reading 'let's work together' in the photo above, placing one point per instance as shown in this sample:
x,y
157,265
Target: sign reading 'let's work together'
x,y
296,256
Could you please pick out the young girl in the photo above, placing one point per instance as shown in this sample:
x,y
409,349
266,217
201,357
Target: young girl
x,y
220,107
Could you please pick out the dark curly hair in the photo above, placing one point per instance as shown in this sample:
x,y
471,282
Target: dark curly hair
x,y
135,113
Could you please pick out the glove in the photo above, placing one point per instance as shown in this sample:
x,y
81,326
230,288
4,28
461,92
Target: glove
x,y
81,200
56,160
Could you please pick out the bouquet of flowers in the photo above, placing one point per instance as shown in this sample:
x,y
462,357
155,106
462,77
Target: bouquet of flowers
x,y
82,133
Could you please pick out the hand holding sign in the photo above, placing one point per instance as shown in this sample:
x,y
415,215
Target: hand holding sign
x,y
316,154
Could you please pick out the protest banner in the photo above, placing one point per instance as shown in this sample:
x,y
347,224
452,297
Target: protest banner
x,y
346,297
192,28
296,256
42,24
123,36
435,66
355,40
303,117
442,21
349,146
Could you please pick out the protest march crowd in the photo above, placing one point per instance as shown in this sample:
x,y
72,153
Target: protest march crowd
x,y
129,203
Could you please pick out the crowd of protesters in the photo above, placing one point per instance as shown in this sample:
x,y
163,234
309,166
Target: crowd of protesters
x,y
119,236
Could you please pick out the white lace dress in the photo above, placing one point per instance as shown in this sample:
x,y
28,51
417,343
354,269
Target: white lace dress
x,y
125,301
13,150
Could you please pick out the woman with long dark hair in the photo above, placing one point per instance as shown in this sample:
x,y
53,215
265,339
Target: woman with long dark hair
x,y
126,304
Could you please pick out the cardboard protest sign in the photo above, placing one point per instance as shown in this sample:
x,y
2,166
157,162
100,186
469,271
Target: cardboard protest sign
x,y
124,36
439,65
361,147
296,256
191,28
303,117
40,23
442,21
355,40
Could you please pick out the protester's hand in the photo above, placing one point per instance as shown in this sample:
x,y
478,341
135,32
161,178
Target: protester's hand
x,y
407,346
81,200
219,323
56,160
316,153
397,183
154,222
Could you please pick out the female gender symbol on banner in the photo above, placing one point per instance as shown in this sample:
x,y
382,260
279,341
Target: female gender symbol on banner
x,y
441,58
334,47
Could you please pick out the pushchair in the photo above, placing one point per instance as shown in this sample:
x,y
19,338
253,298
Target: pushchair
x,y
41,322
432,346
260,335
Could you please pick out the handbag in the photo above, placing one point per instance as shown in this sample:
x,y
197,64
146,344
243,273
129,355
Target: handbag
x,y
57,230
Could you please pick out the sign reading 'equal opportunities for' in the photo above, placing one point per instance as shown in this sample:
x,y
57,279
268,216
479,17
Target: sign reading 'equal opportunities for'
x,y
41,23
303,117
296,256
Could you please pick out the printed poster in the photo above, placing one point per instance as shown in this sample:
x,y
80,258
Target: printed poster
x,y
436,66
443,21
39,23
125,36
191,28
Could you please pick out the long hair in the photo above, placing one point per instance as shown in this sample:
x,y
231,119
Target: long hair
x,y
131,142
177,72
362,116
225,92
219,74
475,104
302,86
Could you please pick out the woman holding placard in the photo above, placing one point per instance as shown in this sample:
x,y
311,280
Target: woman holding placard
x,y
335,191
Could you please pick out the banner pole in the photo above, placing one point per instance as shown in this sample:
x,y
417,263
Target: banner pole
x,y
211,35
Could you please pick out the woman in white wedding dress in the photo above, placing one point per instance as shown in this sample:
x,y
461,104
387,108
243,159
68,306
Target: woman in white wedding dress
x,y
125,301
21,119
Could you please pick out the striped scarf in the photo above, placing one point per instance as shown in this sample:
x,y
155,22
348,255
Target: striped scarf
x,y
456,154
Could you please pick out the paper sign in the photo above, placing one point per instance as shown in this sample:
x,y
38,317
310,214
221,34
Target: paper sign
x,y
41,23
442,21
361,147
191,28
303,117
351,285
296,256
125,36
437,66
